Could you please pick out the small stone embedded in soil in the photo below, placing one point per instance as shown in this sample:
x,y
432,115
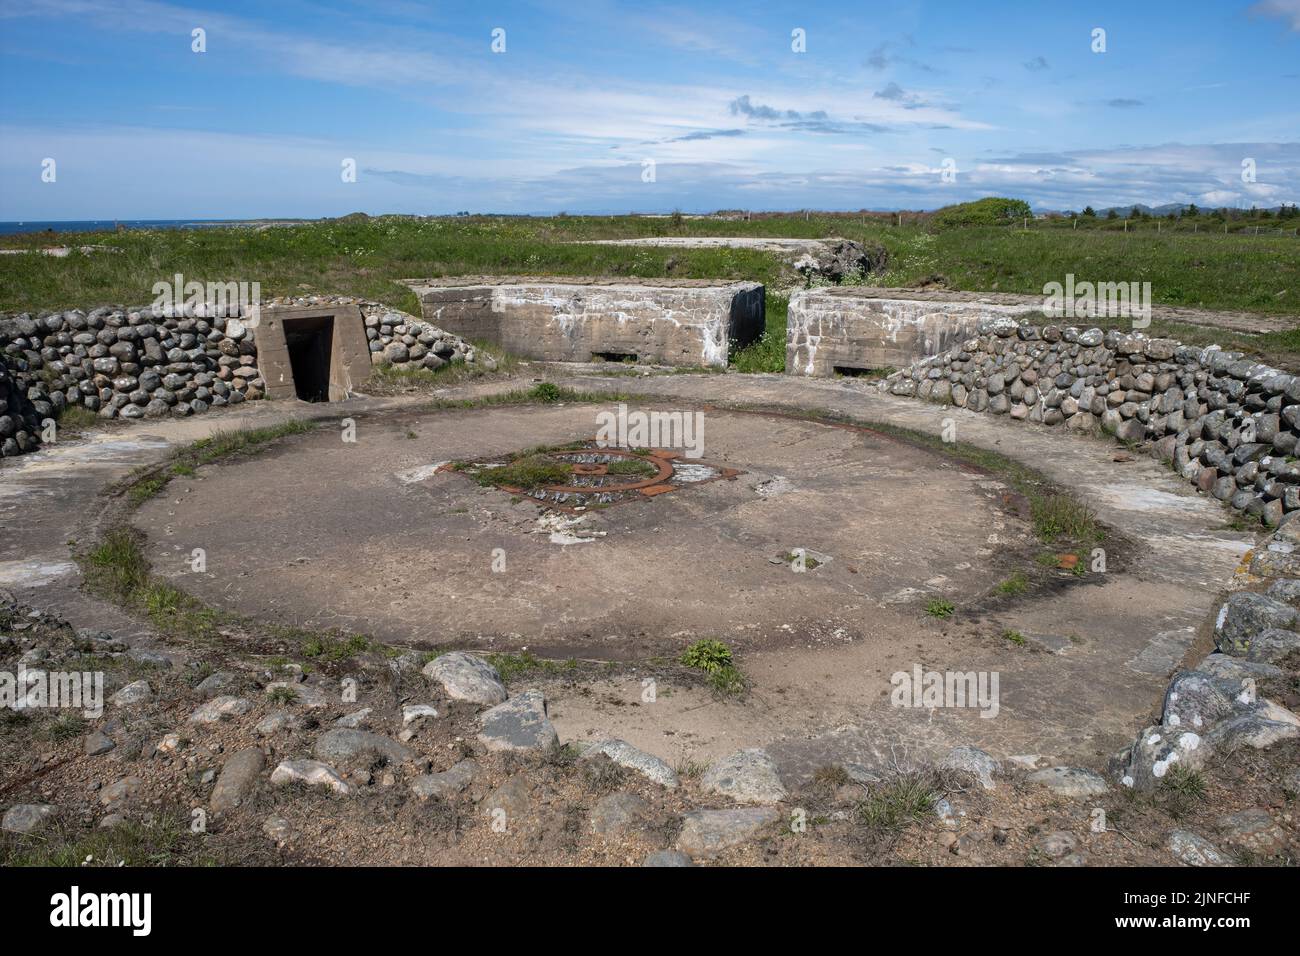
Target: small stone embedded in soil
x,y
98,743
237,777
625,755
973,761
311,772
668,858
1194,850
1070,781
467,677
121,792
706,833
520,723
137,692
277,722
414,712
356,719
344,745
618,813
220,708
28,817
513,799
746,776
217,683
446,784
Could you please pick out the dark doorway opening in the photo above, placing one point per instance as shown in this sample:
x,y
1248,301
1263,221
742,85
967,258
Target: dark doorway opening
x,y
630,357
310,343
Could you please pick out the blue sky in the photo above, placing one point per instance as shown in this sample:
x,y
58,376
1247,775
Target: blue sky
x,y
585,96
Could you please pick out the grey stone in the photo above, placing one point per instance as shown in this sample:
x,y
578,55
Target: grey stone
x,y
973,761
466,677
746,776
520,723
98,743
617,814
237,777
217,683
28,817
220,708
446,784
667,858
625,755
134,693
1194,850
313,773
1073,782
276,722
706,833
345,744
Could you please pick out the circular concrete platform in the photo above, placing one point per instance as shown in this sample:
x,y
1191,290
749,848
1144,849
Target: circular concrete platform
x,y
379,536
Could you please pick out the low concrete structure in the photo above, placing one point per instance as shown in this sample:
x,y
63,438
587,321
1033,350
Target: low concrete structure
x,y
316,353
668,322
852,329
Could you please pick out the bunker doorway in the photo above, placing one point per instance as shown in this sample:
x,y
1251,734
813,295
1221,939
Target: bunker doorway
x,y
311,344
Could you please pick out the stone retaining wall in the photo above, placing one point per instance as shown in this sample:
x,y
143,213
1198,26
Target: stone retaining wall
x,y
147,362
1226,423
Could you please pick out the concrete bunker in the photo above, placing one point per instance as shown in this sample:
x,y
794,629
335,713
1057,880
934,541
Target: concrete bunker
x,y
315,354
851,330
668,322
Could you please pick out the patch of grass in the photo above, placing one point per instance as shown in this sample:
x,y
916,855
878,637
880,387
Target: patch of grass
x,y
72,419
147,488
940,608
768,353
541,393
634,467
1057,516
1015,637
1181,789
1017,583
117,565
167,841
689,769
526,473
281,695
895,805
65,727
513,666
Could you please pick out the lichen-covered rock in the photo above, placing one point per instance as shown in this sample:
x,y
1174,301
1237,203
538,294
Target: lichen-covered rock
x,y
312,773
346,745
706,833
625,755
467,677
520,723
746,776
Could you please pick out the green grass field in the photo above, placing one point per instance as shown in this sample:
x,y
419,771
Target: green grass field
x,y
363,256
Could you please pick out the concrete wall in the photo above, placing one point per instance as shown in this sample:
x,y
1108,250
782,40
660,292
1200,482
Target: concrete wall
x,y
861,328
575,320
350,351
